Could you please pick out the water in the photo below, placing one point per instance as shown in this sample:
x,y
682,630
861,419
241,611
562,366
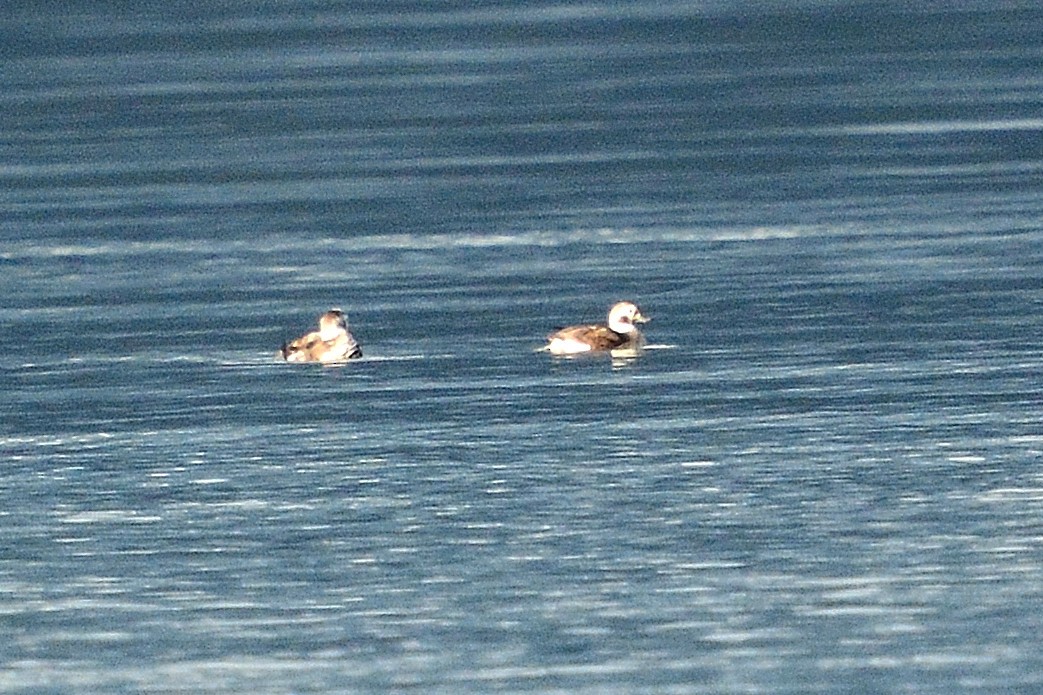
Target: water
x,y
823,477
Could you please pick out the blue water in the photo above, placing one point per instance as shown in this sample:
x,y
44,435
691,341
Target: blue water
x,y
821,477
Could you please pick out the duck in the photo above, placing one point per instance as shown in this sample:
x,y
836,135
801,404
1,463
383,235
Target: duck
x,y
331,343
620,333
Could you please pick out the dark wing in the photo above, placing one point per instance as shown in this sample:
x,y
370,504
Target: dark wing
x,y
598,337
304,345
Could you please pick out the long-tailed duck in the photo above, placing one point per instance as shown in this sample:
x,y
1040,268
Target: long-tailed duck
x,y
621,333
331,343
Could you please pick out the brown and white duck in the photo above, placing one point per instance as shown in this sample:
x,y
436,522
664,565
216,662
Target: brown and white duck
x,y
621,333
331,343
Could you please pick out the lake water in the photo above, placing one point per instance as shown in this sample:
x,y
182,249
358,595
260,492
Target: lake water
x,y
822,477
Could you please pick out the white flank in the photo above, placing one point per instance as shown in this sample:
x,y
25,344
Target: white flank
x,y
560,346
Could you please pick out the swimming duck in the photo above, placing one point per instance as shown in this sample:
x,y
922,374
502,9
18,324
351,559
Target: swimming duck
x,y
331,343
621,333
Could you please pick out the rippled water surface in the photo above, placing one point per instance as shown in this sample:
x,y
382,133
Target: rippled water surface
x,y
823,476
